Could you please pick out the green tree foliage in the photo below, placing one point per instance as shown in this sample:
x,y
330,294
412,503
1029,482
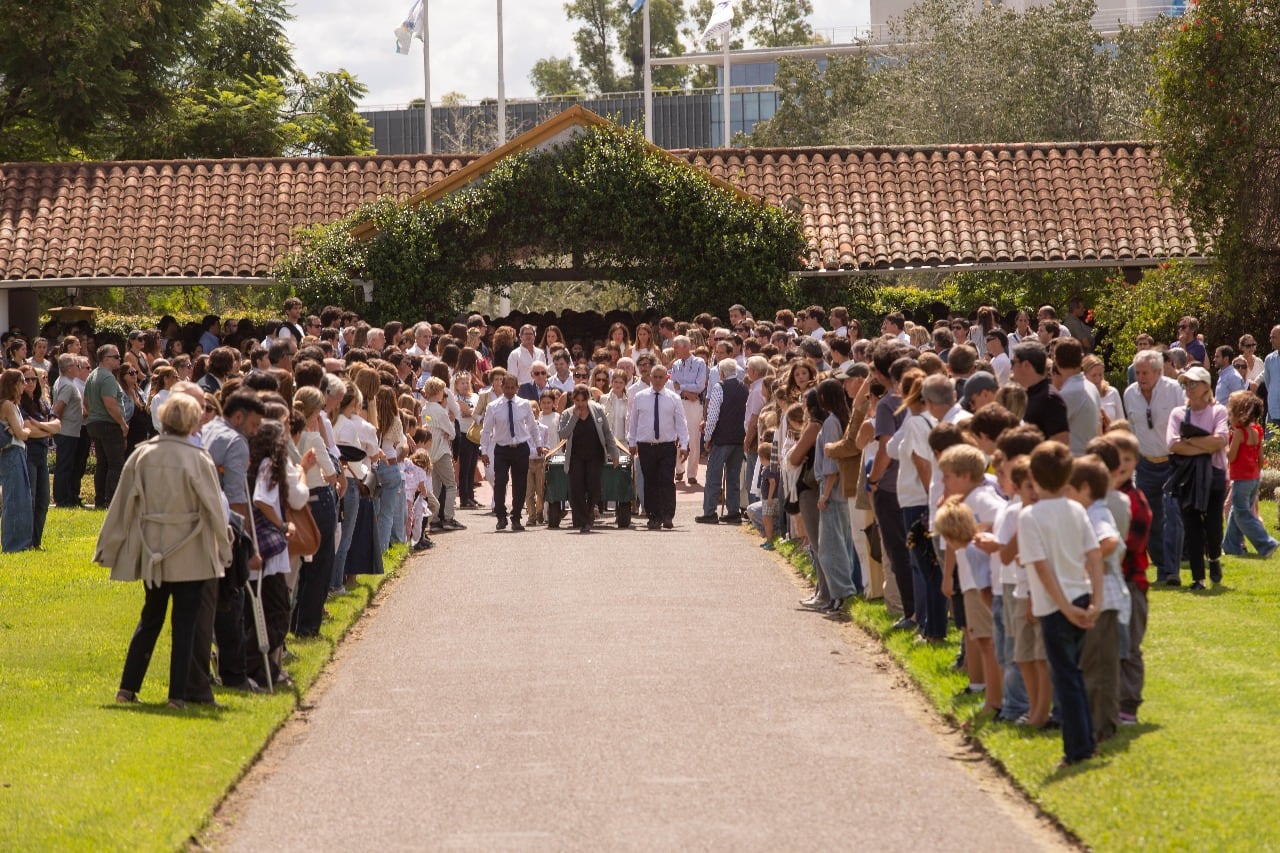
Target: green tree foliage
x,y
813,98
238,93
958,74
554,76
665,17
68,67
778,23
1217,116
597,40
134,79
605,200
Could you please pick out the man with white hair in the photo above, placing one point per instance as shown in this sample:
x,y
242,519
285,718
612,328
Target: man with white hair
x,y
520,362
421,342
689,379
1148,403
723,437
658,435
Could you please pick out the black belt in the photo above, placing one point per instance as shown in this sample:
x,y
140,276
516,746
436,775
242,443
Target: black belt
x,y
654,443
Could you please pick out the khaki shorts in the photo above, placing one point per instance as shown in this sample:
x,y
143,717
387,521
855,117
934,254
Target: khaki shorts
x,y
1028,644
977,616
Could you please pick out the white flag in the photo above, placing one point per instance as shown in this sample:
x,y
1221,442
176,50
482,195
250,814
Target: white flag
x,y
414,24
720,23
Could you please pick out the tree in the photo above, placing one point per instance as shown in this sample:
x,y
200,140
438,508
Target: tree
x,y
811,98
68,67
553,76
1217,115
596,40
704,77
954,74
665,18
778,23
238,93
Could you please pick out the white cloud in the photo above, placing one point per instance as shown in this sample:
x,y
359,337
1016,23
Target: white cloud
x,y
328,34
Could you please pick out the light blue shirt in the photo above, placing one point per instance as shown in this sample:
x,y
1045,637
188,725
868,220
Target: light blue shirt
x,y
1229,381
1271,376
690,374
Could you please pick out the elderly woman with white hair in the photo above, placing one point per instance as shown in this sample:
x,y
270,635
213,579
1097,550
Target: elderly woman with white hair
x,y
168,528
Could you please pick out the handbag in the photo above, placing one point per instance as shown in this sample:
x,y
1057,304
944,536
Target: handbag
x,y
305,541
473,433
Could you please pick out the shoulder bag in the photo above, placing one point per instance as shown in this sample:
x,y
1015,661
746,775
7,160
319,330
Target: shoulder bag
x,y
305,541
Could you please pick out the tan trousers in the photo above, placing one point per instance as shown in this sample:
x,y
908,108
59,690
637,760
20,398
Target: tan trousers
x,y
533,491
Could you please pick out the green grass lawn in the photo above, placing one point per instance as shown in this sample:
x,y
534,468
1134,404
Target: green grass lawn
x,y
1200,770
78,771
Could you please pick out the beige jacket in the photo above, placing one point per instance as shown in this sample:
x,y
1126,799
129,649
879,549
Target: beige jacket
x,y
166,523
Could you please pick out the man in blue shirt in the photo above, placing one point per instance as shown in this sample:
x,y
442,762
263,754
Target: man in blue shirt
x,y
1271,378
1229,379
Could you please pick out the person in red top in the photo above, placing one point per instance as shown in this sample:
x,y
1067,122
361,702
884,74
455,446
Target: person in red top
x,y
1244,466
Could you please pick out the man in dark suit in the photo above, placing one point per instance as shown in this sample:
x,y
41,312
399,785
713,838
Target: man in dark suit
x,y
533,390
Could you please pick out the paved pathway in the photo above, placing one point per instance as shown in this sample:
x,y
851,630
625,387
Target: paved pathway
x,y
624,689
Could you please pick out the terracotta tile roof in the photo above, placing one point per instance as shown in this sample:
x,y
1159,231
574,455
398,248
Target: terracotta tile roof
x,y
184,218
864,208
885,208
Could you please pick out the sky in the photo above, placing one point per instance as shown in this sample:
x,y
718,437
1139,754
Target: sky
x,y
332,34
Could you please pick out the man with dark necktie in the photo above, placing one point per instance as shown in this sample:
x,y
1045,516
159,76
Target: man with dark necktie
x,y
510,429
657,432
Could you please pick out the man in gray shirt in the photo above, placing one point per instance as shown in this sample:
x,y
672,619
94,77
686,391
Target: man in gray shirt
x,y
68,406
1084,407
104,420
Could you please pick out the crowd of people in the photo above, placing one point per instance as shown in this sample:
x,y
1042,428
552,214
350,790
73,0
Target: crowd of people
x,y
968,473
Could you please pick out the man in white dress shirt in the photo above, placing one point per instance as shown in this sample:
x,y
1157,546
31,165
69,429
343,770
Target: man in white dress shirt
x,y
658,434
522,357
1148,403
688,378
509,437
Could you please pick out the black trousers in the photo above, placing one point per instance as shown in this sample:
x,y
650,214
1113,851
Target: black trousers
x,y
108,449
658,465
510,464
584,486
228,632
199,673
66,489
275,610
315,574
467,455
186,602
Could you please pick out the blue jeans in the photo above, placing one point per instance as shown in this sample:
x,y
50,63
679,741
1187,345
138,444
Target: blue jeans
x,y
1063,646
724,463
16,517
350,509
1243,523
389,503
834,537
1015,702
749,463
38,475
1166,519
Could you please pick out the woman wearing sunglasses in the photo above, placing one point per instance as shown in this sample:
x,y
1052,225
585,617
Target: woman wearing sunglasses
x,y
135,411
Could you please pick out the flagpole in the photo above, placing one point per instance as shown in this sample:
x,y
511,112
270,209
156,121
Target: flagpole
x,y
648,80
502,86
728,33
426,76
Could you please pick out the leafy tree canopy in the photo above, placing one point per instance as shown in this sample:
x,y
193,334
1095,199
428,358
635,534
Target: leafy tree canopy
x,y
141,79
958,74
1217,116
610,37
605,201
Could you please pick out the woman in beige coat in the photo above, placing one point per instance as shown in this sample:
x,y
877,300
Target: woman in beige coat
x,y
167,527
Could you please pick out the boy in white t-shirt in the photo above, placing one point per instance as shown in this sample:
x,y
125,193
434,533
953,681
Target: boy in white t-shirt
x,y
1057,542
1028,643
417,487
964,469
